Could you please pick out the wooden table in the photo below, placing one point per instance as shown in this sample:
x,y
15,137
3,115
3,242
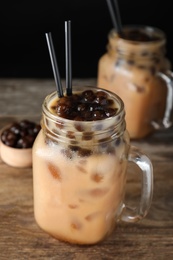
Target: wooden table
x,y
21,238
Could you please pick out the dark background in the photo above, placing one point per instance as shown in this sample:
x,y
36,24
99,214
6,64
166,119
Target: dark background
x,y
23,47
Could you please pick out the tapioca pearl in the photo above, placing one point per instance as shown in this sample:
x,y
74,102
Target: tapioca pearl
x,y
88,95
87,136
15,128
81,169
109,112
78,118
9,138
79,126
147,79
82,107
87,115
131,62
70,134
26,123
144,53
101,100
55,172
74,148
101,93
84,152
98,115
92,216
111,150
152,70
139,89
64,101
24,142
117,142
67,153
97,177
23,132
156,60
63,111
76,225
98,192
73,206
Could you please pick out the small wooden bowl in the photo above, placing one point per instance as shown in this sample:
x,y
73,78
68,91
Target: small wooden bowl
x,y
16,157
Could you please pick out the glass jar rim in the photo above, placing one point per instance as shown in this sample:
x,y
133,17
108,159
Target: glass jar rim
x,y
148,30
117,117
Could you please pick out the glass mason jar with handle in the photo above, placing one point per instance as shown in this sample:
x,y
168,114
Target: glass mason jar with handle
x,y
136,69
80,170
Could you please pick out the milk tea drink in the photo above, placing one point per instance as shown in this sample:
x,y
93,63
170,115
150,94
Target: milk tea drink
x,y
134,68
79,166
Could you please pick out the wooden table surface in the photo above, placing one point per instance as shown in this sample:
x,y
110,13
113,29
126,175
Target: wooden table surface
x,y
21,238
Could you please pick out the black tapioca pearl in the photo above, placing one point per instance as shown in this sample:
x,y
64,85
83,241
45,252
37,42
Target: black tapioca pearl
x,y
63,110
145,53
23,142
15,128
82,107
88,96
110,112
147,79
74,148
111,150
79,126
141,67
156,60
101,94
95,106
101,100
131,62
87,135
70,134
78,118
36,129
140,89
9,138
98,115
67,153
117,142
87,116
152,70
84,152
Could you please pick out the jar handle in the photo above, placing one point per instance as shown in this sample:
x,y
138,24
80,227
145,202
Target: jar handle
x,y
143,162
167,121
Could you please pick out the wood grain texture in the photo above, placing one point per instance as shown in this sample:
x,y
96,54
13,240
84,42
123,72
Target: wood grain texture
x,y
21,238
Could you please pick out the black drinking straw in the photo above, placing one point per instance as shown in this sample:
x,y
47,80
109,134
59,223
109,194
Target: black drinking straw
x,y
115,14
68,58
54,64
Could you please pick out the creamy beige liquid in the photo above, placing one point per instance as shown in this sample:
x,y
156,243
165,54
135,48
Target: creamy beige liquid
x,y
134,78
144,97
78,198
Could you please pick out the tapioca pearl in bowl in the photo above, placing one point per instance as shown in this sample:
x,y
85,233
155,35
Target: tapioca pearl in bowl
x,y
16,141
